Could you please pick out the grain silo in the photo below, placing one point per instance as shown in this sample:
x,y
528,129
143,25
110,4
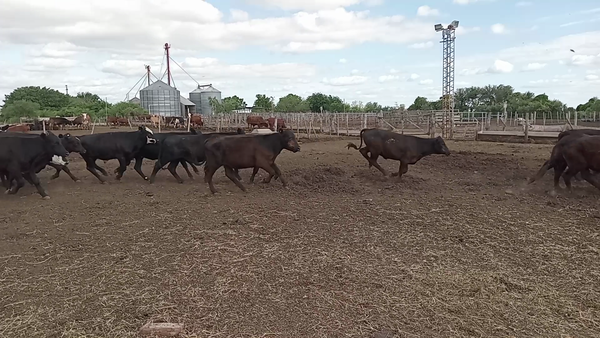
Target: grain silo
x,y
201,98
161,99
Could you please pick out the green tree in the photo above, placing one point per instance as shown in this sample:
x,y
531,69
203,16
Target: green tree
x,y
126,109
46,98
421,103
316,101
290,103
17,109
234,102
263,103
373,107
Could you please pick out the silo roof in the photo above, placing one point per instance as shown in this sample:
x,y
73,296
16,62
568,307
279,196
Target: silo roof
x,y
159,85
186,102
204,89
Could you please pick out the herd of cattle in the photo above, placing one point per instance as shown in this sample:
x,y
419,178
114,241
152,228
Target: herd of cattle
x,y
23,155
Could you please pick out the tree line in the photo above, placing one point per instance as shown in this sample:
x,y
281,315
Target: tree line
x,y
33,102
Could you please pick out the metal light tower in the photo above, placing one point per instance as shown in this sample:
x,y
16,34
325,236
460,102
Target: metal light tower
x,y
448,39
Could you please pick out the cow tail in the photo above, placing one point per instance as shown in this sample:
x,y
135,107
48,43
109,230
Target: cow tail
x,y
545,167
352,145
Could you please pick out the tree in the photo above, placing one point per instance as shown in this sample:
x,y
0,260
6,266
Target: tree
x,y
263,103
420,103
126,109
291,103
234,102
372,107
316,101
16,109
46,98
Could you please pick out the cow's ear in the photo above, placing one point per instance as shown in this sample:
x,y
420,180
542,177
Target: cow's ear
x,y
43,135
67,135
60,135
281,130
140,128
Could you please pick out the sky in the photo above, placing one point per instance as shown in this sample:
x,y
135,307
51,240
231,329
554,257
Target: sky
x,y
360,50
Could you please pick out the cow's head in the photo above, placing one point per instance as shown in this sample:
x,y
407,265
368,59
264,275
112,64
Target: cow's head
x,y
148,133
289,140
71,143
53,144
440,146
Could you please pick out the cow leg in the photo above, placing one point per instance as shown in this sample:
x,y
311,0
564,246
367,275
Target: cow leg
x,y
567,177
187,170
34,180
4,182
590,178
254,172
65,168
230,173
195,169
268,167
122,167
138,167
558,171
173,170
402,169
372,160
17,176
277,175
237,174
157,166
209,172
91,166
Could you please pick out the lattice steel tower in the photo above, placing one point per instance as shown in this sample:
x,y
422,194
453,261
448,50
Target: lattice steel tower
x,y
448,40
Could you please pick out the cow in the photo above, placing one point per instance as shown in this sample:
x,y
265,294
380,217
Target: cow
x,y
581,157
111,120
579,132
247,151
71,143
123,146
82,121
20,157
23,128
181,149
258,121
58,123
121,121
196,120
280,123
407,149
156,120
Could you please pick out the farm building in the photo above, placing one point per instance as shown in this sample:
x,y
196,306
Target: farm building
x,y
161,99
201,98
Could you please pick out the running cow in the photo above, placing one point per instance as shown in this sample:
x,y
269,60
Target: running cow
x,y
247,151
407,149
581,157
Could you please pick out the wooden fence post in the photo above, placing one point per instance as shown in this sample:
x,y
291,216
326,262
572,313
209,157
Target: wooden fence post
x,y
527,128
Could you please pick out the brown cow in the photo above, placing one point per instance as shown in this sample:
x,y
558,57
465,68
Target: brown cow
x,y
196,120
257,121
247,151
23,128
280,123
121,121
407,149
581,157
82,121
111,120
58,123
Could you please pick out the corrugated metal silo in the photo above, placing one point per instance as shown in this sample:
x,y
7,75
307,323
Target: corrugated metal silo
x,y
161,99
201,95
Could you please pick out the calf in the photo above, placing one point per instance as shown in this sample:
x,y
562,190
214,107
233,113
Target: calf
x,y
581,157
23,128
407,149
72,144
280,123
196,120
248,151
258,121
123,146
21,156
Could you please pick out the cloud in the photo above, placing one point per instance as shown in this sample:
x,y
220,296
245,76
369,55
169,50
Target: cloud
x,y
354,71
388,78
498,28
501,66
426,82
421,45
524,3
345,80
592,77
534,66
343,61
239,15
464,2
312,5
427,11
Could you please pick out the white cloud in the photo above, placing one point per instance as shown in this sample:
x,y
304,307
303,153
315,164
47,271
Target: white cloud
x,y
313,5
421,45
343,61
413,77
501,66
427,11
592,77
534,66
585,60
426,82
345,80
523,3
354,71
498,28
464,2
388,78
239,15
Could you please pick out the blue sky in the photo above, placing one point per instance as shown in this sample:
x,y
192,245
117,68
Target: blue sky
x,y
360,50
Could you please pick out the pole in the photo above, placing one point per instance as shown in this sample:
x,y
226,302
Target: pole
x,y
168,63
67,89
148,73
527,128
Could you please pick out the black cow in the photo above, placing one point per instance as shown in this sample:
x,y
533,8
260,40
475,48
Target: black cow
x,y
578,132
247,151
407,149
181,149
123,146
21,156
581,157
71,143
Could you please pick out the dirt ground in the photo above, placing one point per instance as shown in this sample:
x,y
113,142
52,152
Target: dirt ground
x,y
460,247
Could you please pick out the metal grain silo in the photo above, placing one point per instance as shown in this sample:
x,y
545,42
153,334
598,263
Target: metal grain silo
x,y
201,95
161,99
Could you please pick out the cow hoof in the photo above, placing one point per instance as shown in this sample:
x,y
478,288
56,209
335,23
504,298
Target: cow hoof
x,y
46,197
146,178
7,192
77,181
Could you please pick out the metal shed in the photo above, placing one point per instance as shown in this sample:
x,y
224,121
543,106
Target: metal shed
x,y
161,99
187,106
